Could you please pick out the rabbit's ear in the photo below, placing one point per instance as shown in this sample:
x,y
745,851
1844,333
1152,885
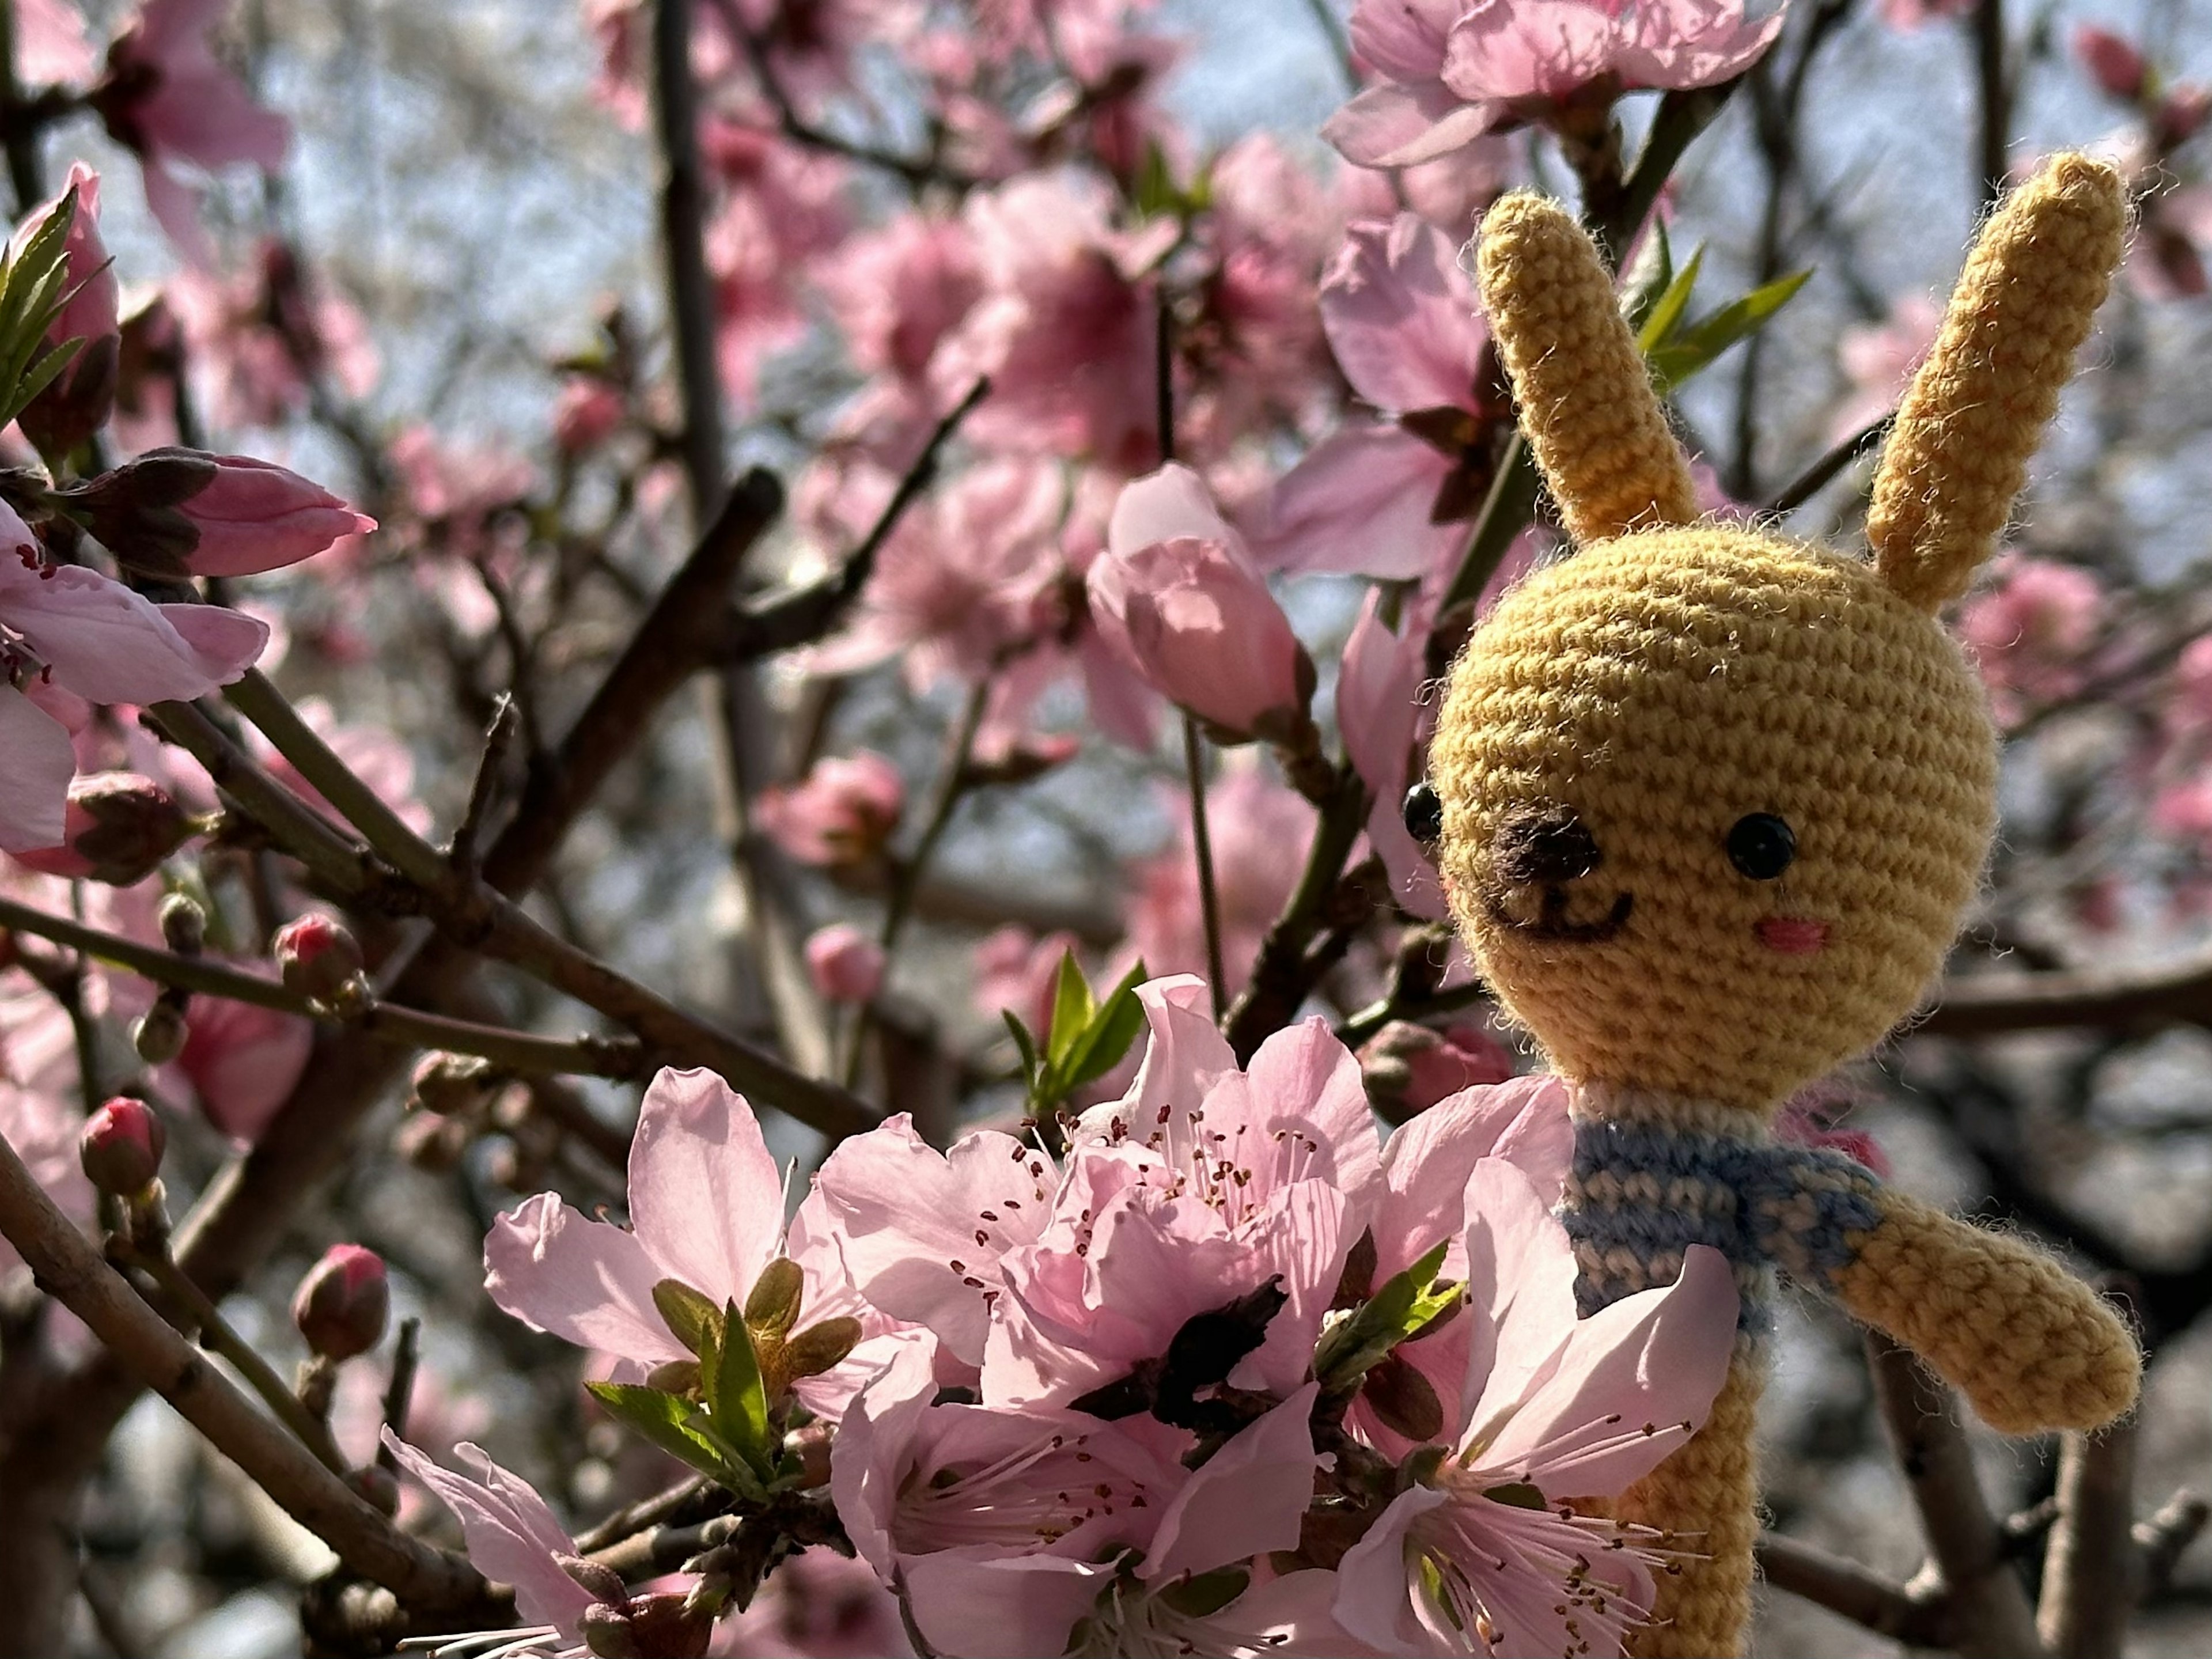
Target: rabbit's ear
x,y
1976,409
1586,400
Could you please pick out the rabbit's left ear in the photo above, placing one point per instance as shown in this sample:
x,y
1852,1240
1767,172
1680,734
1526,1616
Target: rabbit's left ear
x,y
1977,407
1586,400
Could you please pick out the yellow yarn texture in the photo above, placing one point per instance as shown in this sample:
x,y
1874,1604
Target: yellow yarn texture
x,y
1714,800
1586,402
1978,405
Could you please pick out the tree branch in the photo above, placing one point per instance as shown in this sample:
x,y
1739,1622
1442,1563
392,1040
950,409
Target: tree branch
x,y
2089,1581
1858,1593
70,1271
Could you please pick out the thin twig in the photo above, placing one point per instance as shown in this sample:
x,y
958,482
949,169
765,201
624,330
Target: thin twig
x,y
1986,1614
399,1393
1858,1593
916,171
659,1510
1339,42
216,1335
1201,847
70,1271
1281,978
618,1058
2088,1581
1985,25
466,850
1815,478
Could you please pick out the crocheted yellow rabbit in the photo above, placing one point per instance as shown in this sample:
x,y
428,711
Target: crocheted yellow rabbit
x,y
1712,802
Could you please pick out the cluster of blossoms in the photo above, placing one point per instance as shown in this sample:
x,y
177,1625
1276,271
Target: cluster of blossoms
x,y
1230,1374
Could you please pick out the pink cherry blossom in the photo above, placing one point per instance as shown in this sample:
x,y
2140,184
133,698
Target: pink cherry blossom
x,y
2114,62
586,413
512,1536
1000,1526
1252,818
706,1204
242,1062
819,1605
39,1114
847,965
922,1231
840,814
780,207
964,583
260,337
50,42
98,639
167,98
2031,628
1450,72
1393,498
897,292
1573,1408
1178,597
1066,326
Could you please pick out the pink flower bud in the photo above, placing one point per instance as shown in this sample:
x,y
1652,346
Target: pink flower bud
x,y
318,957
2113,63
2180,115
588,412
847,966
840,814
118,827
121,1147
257,516
1412,1067
1177,598
342,1304
76,403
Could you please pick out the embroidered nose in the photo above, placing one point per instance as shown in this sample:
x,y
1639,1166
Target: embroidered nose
x,y
1549,847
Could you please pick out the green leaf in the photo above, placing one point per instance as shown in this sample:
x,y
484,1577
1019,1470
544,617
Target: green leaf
x,y
1651,276
1071,1009
772,1309
1112,1028
737,1400
1154,188
40,375
1031,1064
1667,310
693,1319
1407,1306
1693,349
672,1425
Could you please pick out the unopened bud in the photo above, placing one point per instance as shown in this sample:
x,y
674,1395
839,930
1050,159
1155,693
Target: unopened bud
x,y
665,1625
605,1583
377,1487
820,1347
121,1147
1409,1068
159,1034
435,1144
184,925
118,827
343,1302
135,509
607,1633
772,1307
452,1085
319,959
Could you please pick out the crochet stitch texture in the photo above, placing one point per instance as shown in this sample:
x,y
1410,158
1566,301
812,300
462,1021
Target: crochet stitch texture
x,y
1627,720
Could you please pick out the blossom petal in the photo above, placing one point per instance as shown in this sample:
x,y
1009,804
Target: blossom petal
x,y
907,1212
512,1536
705,1196
1309,1083
1358,503
1430,1158
1371,1589
108,644
1169,505
37,762
1635,1381
868,1458
588,1282
978,1601
1185,1053
1398,126
1402,318
1249,1497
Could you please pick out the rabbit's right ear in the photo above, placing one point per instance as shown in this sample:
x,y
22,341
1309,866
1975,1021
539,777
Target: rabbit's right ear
x,y
1586,400
1978,405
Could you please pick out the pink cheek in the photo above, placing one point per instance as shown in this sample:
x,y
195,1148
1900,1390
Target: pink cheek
x,y
1793,936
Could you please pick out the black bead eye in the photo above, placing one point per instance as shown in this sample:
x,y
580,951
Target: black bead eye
x,y
1761,845
1551,848
1423,813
